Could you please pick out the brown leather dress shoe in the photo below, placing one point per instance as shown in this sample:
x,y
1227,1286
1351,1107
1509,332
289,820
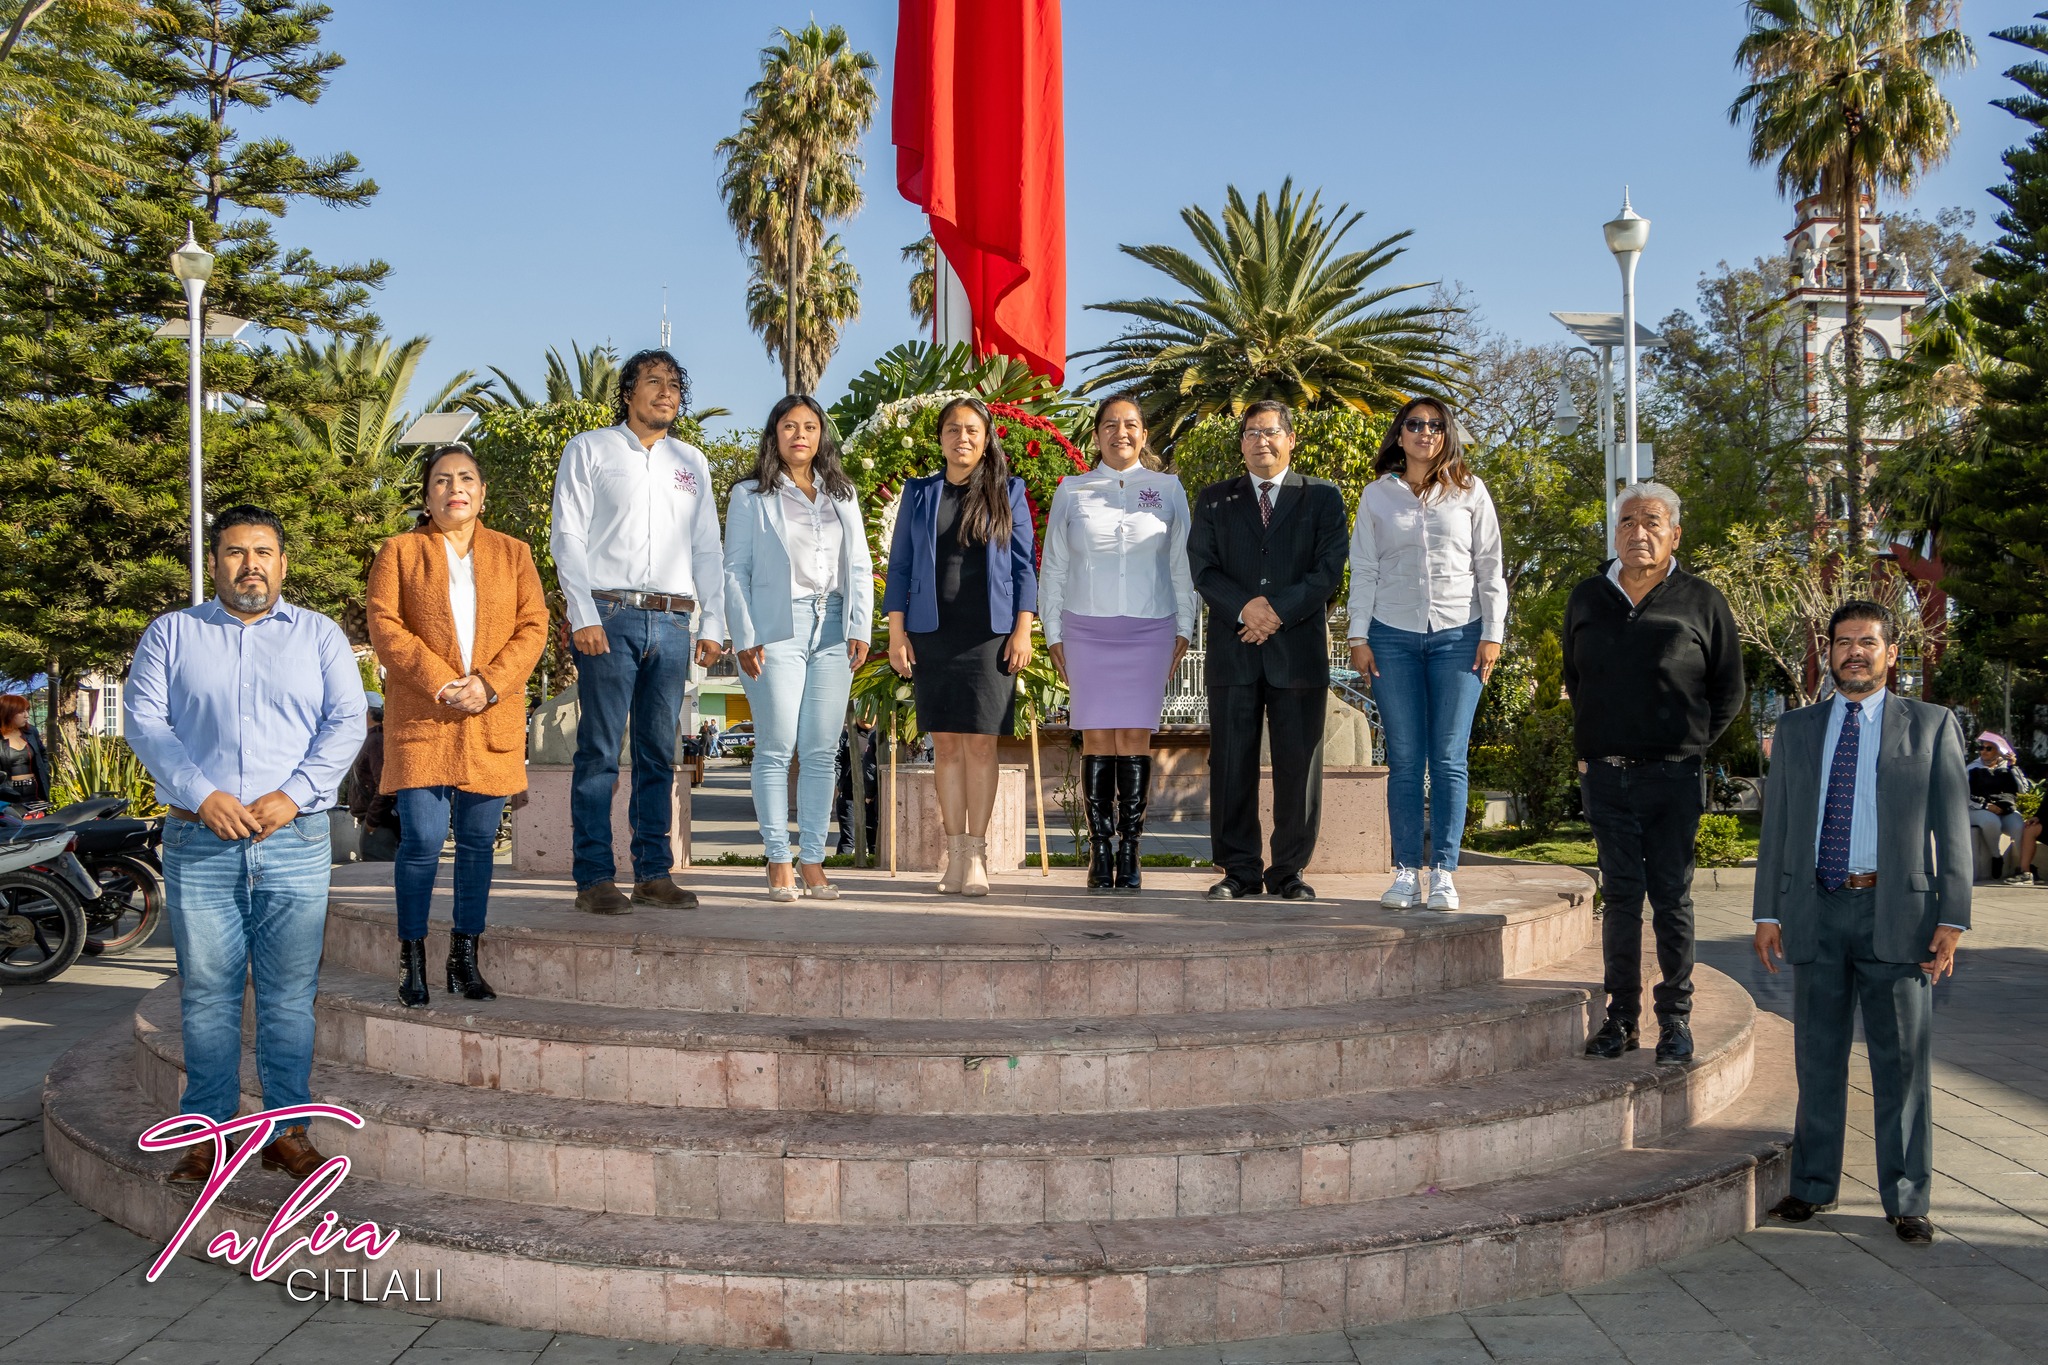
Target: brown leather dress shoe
x,y
196,1166
293,1153
603,898
664,892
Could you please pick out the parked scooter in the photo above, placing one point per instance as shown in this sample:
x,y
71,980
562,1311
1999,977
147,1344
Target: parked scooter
x,y
123,856
43,890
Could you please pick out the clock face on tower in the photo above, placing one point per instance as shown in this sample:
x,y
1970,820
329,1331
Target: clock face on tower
x,y
1874,348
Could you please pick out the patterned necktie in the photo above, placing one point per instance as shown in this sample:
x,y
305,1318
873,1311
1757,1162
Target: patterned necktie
x,y
1841,811
1265,504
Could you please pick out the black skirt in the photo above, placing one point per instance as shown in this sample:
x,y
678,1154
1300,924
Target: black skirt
x,y
958,680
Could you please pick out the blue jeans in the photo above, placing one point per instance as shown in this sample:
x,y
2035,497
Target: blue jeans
x,y
238,909
642,675
1427,694
423,819
799,705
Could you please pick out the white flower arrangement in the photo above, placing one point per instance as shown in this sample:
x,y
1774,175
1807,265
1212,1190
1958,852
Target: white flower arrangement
x,y
899,413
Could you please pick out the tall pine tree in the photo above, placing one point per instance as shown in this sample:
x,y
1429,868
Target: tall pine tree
x,y
93,516
1996,539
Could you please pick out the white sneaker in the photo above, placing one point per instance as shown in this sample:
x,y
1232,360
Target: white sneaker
x,y
1406,891
1443,895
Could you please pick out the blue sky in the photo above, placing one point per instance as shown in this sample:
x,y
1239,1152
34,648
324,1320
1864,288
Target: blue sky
x,y
543,177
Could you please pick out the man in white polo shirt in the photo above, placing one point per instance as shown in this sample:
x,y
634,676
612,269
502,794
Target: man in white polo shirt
x,y
636,551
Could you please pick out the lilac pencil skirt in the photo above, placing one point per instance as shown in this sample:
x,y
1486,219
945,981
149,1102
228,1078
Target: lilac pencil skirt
x,y
1117,665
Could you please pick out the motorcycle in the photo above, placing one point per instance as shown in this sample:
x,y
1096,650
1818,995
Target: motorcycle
x,y
43,890
124,858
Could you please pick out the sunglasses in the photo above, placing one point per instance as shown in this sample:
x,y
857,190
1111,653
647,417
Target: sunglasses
x,y
1415,426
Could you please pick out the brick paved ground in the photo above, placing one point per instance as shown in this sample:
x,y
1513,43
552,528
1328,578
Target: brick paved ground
x,y
1842,1290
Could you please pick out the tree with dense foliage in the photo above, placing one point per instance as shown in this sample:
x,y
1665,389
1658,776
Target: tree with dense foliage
x,y
1843,97
829,299
1275,312
93,513
799,139
1995,540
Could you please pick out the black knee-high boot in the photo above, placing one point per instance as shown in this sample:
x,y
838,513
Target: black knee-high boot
x,y
1133,792
463,977
412,972
1098,798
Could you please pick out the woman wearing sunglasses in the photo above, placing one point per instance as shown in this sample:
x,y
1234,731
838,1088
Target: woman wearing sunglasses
x,y
1428,609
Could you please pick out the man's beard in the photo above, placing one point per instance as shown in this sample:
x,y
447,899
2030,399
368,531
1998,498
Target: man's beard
x,y
256,597
1858,687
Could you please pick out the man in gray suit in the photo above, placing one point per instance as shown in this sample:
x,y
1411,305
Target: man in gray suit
x,y
1863,884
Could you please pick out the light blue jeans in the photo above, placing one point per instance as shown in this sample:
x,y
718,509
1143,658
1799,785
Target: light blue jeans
x,y
241,909
1427,694
799,705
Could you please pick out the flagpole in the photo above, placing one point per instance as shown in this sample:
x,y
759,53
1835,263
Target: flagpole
x,y
952,314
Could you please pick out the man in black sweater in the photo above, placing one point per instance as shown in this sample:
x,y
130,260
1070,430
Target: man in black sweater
x,y
1653,664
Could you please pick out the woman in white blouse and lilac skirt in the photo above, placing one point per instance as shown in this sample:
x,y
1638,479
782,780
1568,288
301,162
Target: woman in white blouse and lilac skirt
x,y
1118,604
799,600
1428,611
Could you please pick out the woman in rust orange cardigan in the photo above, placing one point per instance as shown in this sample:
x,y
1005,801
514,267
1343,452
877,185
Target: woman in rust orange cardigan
x,y
458,620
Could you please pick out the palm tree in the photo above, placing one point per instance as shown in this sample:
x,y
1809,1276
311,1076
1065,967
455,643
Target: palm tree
x,y
829,299
924,283
808,111
1275,312
1843,95
357,411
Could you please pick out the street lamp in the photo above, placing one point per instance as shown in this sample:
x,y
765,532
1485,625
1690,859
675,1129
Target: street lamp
x,y
1602,333
1627,234
193,265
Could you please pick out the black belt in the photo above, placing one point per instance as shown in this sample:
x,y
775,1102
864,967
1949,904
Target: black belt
x,y
648,601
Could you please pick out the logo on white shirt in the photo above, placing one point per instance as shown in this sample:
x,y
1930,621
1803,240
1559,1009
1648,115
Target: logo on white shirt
x,y
686,480
1149,499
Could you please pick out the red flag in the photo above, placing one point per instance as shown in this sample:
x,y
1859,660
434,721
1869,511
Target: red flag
x,y
977,127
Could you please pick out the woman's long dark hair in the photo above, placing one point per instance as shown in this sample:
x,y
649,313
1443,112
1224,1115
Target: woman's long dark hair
x,y
985,501
1448,471
826,470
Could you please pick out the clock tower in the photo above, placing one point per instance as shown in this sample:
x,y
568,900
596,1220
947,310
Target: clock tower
x,y
1817,313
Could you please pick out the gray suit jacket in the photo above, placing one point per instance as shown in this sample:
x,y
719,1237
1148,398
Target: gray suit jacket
x,y
1923,830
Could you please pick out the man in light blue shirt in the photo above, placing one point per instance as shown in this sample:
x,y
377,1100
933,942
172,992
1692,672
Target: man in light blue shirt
x,y
247,711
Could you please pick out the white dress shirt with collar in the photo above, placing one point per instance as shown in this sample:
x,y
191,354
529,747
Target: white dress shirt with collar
x,y
812,533
1430,565
636,518
1116,544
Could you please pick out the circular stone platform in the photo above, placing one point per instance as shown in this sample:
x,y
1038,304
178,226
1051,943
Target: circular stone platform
x,y
1043,1121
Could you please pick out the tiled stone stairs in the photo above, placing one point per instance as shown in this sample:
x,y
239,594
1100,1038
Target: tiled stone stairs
x,y
1044,1122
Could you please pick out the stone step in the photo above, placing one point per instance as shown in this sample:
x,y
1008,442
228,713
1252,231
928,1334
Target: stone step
x,y
1128,1064
754,1167
1037,948
938,1290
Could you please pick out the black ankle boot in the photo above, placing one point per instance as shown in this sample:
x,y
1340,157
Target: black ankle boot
x,y
1133,791
1098,798
412,966
463,977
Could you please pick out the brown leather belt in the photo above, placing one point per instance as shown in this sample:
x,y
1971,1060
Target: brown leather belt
x,y
647,601
1859,881
179,813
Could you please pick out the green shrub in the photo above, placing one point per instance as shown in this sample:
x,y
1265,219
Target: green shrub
x,y
1719,842
96,765
1492,766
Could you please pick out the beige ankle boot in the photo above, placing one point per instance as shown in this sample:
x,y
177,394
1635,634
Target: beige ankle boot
x,y
974,876
956,865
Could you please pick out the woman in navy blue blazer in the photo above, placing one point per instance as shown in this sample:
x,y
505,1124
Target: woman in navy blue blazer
x,y
961,594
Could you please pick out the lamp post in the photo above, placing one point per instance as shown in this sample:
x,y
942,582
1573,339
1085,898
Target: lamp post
x,y
1627,234
193,265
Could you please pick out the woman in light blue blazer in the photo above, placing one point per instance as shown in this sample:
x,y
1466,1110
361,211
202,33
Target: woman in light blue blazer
x,y
799,590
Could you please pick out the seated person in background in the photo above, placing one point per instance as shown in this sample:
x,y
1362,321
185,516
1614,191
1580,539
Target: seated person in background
x,y
1995,786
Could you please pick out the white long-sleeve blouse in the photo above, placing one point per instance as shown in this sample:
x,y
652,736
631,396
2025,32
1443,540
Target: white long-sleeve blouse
x,y
1116,544
1427,565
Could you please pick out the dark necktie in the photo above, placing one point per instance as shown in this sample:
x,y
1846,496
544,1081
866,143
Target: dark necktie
x,y
1265,504
1841,809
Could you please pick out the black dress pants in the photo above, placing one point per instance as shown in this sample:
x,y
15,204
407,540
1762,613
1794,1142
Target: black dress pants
x,y
1293,718
1645,819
